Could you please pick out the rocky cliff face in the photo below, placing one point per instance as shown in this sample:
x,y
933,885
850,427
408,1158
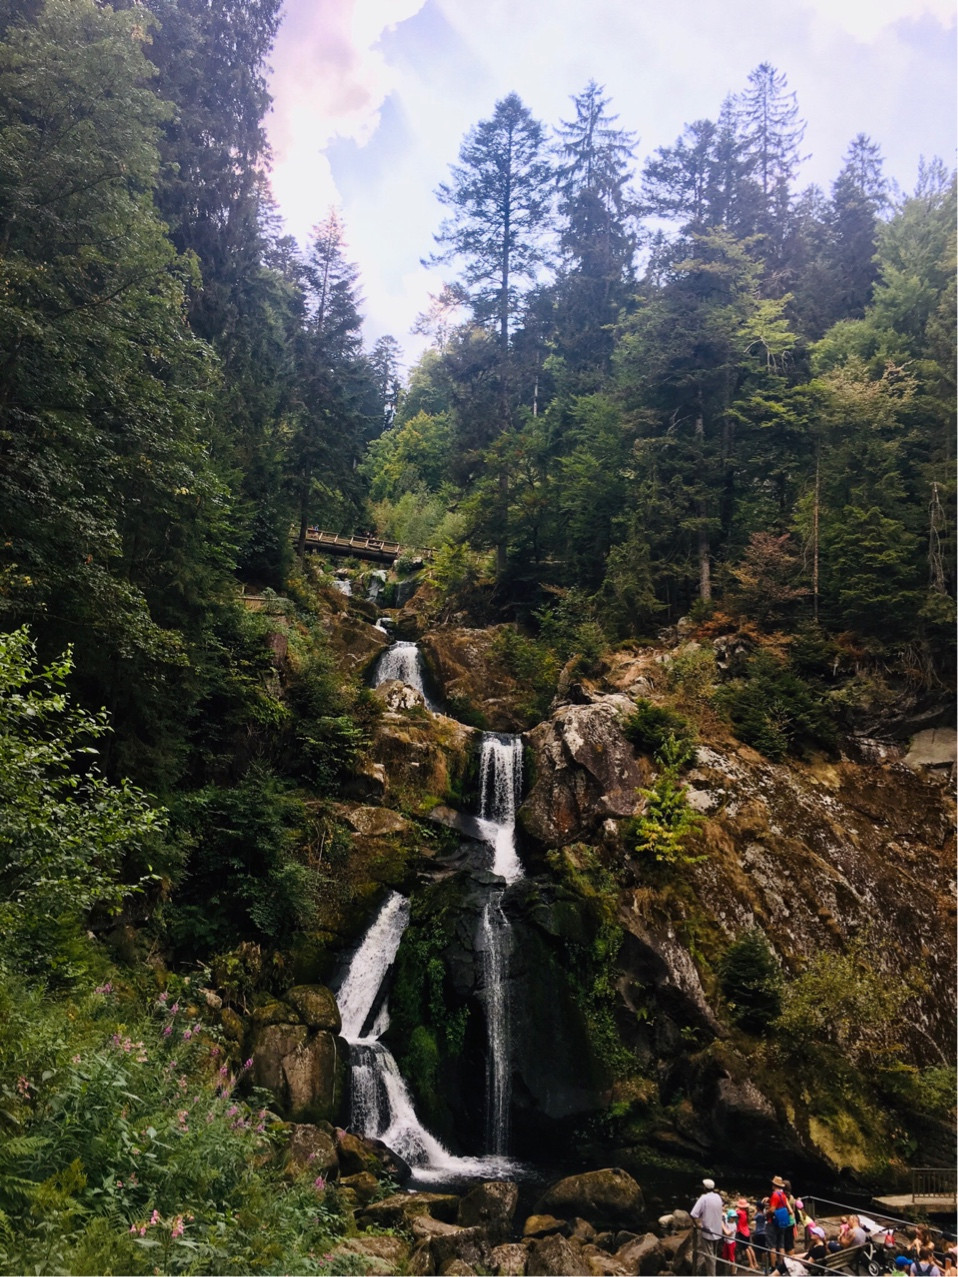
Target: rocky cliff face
x,y
623,1040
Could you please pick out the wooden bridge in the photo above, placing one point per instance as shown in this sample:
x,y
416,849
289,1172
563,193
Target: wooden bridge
x,y
360,547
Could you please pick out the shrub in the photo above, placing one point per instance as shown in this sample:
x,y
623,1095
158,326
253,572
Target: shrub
x,y
649,726
668,820
751,982
774,710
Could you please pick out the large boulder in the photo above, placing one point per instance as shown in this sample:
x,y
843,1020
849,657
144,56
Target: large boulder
x,y
469,668
316,1006
312,1148
642,1255
305,1067
491,1205
508,1260
585,770
609,1197
557,1256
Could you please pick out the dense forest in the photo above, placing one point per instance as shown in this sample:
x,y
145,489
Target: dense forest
x,y
684,391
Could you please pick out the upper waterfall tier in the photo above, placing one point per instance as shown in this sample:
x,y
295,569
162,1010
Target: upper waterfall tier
x,y
500,779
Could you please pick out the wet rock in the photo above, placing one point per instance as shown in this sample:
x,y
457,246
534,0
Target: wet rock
x,y
373,822
540,1224
314,1078
508,1260
400,1208
466,665
643,1255
365,1185
557,1256
934,747
582,1230
605,1197
274,1012
585,772
271,1046
492,1205
367,780
312,1148
680,1252
467,1245
420,1262
315,1006
386,1255
602,1264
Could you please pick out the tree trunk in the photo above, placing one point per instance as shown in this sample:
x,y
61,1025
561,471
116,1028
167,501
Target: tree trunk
x,y
815,515
701,510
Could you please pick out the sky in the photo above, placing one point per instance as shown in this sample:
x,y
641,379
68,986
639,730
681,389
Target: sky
x,y
372,99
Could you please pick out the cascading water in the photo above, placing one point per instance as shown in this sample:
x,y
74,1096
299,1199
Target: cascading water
x,y
381,1105
500,779
403,661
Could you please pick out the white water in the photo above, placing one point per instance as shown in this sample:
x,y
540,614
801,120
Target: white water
x,y
493,944
381,1105
500,781
343,585
402,661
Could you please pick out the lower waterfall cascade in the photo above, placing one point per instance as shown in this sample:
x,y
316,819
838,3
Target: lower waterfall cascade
x,y
500,778
381,1106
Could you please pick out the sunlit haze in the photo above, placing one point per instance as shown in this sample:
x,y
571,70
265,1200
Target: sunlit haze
x,y
372,98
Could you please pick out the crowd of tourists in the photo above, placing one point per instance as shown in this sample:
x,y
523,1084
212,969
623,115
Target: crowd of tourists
x,y
776,1235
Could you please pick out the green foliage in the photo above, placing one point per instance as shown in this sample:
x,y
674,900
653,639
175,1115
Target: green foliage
x,y
533,664
751,982
667,820
65,833
649,727
845,1010
246,876
137,1151
776,711
691,673
420,999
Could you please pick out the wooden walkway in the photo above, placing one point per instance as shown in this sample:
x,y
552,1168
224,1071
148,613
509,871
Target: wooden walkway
x,y
360,547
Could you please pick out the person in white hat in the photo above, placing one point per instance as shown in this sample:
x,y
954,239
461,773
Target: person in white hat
x,y
709,1214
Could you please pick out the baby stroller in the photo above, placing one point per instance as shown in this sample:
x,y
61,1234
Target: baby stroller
x,y
872,1258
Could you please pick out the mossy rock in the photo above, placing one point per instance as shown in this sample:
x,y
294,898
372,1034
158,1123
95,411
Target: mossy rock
x,y
316,1006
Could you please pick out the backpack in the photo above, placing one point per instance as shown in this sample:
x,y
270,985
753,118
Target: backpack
x,y
783,1216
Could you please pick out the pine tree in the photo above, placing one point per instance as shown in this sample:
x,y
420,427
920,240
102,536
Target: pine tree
x,y
595,237
500,196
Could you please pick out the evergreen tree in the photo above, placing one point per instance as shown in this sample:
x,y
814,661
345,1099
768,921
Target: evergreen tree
x,y
859,195
114,527
595,238
500,196
772,134
337,410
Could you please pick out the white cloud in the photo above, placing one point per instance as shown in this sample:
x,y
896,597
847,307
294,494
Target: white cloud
x,y
329,81
867,19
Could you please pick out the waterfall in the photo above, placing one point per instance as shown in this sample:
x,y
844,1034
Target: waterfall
x,y
493,944
500,780
381,1105
403,661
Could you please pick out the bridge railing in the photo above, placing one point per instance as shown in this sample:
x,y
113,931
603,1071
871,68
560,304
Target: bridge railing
x,y
934,1181
370,547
